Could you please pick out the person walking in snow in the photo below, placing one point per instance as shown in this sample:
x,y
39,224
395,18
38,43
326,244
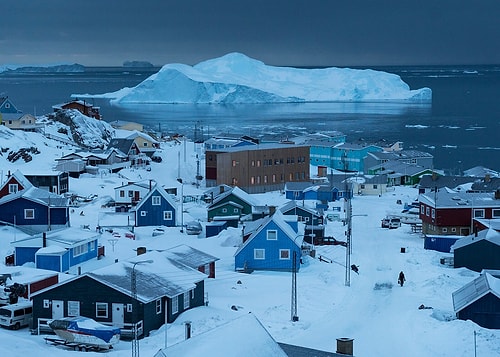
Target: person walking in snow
x,y
401,278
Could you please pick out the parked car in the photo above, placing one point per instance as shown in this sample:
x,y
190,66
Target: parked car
x,y
391,222
193,228
17,315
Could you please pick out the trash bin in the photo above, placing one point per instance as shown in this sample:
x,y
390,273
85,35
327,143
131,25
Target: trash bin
x,y
344,346
403,250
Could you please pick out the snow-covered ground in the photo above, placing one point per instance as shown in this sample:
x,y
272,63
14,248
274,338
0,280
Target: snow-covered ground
x,y
383,318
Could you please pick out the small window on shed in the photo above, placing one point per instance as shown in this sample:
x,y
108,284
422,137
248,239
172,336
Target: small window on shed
x,y
101,310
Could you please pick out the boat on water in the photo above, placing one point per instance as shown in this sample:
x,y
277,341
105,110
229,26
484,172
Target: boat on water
x,y
85,331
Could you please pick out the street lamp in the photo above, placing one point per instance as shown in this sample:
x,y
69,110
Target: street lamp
x,y
135,341
182,204
293,310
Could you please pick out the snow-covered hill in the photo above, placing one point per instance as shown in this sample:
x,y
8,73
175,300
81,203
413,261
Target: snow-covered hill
x,y
236,78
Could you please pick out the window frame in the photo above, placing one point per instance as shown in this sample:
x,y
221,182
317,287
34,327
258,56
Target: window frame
x,y
29,213
287,251
272,234
259,254
103,307
155,200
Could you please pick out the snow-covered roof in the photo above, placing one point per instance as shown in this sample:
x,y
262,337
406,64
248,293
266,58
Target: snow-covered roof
x,y
476,289
247,335
190,256
159,275
38,195
490,235
65,237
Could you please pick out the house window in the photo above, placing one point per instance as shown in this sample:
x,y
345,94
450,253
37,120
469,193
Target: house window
x,y
453,230
158,306
122,193
375,187
272,234
186,300
259,254
427,211
224,210
252,163
130,193
258,163
175,304
284,254
445,230
29,213
274,178
495,213
252,180
265,178
13,188
46,304
433,213
233,163
235,210
129,307
258,180
101,310
167,215
422,209
479,213
143,213
81,249
73,308
145,144
155,200
362,187
92,245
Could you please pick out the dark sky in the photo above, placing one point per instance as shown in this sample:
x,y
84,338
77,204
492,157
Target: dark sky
x,y
277,32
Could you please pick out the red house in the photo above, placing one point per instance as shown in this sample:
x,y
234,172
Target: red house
x,y
448,212
82,106
14,183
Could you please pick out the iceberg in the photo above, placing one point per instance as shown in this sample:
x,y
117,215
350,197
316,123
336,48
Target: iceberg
x,y
236,78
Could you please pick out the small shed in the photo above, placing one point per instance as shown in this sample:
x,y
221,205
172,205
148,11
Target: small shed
x,y
478,251
440,243
214,228
479,301
57,250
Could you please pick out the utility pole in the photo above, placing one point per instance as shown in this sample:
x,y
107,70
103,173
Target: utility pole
x,y
294,316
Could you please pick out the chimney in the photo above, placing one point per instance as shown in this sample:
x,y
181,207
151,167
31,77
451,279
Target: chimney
x,y
44,239
272,210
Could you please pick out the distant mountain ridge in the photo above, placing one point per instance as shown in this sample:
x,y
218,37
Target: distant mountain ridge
x,y
236,78
58,68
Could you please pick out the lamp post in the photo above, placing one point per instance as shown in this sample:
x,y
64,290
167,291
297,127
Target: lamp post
x,y
135,341
293,310
182,204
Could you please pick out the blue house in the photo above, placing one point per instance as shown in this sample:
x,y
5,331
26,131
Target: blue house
x,y
6,106
35,210
57,250
314,230
157,208
270,247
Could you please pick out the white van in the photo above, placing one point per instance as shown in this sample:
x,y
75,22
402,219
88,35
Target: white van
x,y
17,315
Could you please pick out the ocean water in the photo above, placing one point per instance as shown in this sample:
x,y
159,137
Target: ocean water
x,y
461,127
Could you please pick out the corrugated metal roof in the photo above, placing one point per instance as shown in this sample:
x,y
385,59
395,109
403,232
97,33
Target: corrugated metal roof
x,y
475,290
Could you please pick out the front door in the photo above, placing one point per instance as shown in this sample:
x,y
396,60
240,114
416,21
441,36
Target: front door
x,y
118,316
57,309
